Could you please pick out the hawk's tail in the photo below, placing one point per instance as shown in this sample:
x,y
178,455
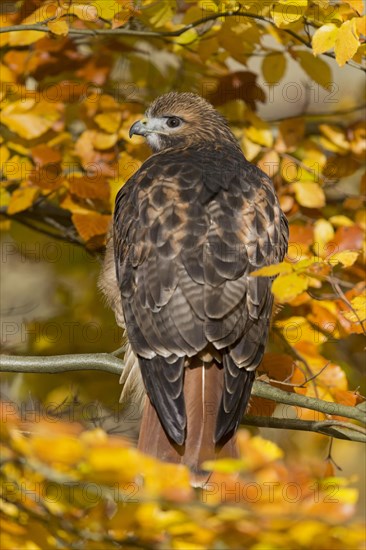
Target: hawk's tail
x,y
203,387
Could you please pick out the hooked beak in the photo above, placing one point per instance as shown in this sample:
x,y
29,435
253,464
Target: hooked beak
x,y
139,128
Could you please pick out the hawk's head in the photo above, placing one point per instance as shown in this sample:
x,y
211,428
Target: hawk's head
x,y
182,119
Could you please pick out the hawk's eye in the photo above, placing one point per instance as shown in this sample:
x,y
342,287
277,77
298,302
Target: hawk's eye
x,y
173,122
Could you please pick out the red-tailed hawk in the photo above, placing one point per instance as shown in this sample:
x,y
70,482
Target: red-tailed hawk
x,y
189,228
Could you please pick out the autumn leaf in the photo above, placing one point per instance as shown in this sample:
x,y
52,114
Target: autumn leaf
x,y
324,38
290,133
43,154
60,28
318,69
110,122
285,13
309,194
346,258
89,187
91,224
347,42
274,67
287,287
22,198
84,12
272,270
28,118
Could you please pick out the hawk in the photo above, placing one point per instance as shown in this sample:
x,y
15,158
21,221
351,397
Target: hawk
x,y
190,226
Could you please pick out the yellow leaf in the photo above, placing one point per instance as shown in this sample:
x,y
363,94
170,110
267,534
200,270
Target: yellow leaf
x,y
259,131
4,155
158,13
223,465
287,287
209,5
358,307
109,122
271,270
103,459
18,148
25,38
4,197
274,67
347,257
187,37
269,163
361,25
17,168
127,166
286,12
104,141
65,449
324,38
347,495
250,149
297,329
316,68
309,194
60,28
22,199
6,74
83,12
336,135
268,448
347,42
107,9
28,118
323,232
341,221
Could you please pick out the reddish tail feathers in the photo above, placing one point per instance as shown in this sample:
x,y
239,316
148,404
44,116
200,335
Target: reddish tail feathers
x,y
202,394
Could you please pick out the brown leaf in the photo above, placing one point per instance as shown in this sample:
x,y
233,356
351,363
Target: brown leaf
x,y
239,85
43,154
277,366
291,132
92,187
348,238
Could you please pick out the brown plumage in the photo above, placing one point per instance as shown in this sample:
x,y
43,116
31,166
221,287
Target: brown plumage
x,y
189,227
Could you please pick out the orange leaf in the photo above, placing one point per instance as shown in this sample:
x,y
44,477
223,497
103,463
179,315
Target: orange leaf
x,y
43,154
89,187
90,225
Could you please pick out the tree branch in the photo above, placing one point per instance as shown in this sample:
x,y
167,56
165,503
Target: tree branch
x,y
109,363
332,428
121,31
55,364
